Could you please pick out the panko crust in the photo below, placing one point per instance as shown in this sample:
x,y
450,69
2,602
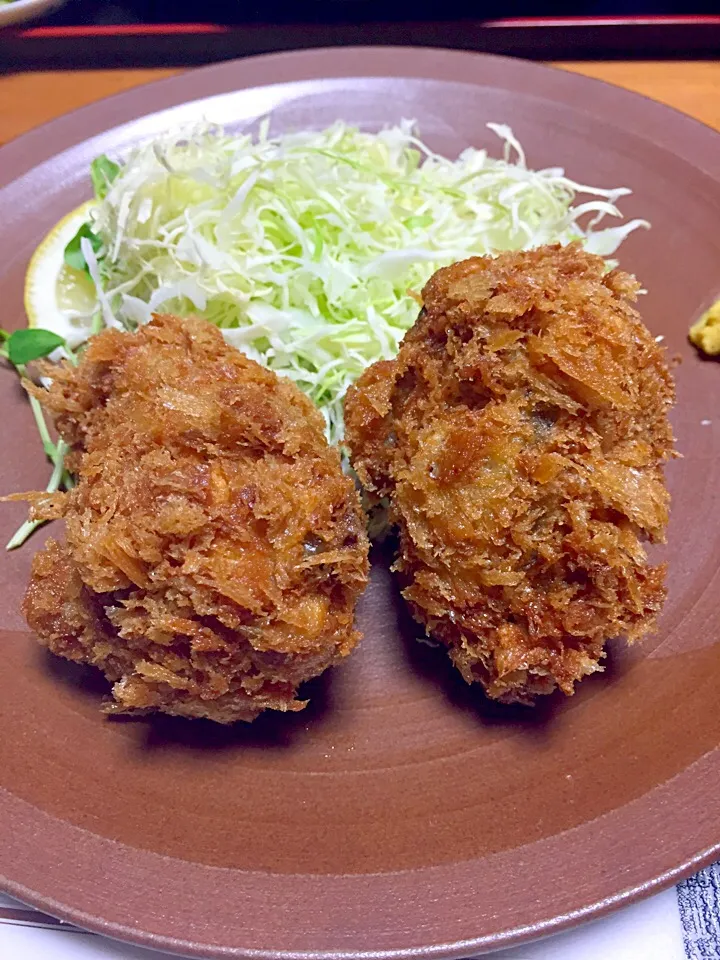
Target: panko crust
x,y
520,437
214,549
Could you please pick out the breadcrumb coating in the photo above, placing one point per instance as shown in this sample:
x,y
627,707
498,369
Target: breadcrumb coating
x,y
214,549
520,437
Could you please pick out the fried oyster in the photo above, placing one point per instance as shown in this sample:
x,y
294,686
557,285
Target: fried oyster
x,y
214,549
520,437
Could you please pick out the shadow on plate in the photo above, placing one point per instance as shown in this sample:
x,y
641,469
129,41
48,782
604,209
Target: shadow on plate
x,y
271,730
87,682
159,731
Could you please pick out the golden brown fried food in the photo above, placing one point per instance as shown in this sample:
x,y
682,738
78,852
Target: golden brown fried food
x,y
520,436
215,550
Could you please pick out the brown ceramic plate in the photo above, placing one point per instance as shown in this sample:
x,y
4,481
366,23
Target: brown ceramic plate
x,y
401,815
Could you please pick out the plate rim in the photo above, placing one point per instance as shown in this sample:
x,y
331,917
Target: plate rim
x,y
91,115
439,64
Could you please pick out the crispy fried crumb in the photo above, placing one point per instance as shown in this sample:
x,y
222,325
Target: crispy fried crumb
x,y
214,549
520,436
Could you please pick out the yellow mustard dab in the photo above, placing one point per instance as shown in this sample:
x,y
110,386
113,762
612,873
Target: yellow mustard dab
x,y
705,334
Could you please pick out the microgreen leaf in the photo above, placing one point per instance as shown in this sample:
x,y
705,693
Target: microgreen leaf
x,y
54,484
103,171
73,251
30,344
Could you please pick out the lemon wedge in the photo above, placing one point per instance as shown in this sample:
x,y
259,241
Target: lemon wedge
x,y
55,292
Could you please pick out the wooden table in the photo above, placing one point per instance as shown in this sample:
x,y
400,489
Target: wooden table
x,y
29,99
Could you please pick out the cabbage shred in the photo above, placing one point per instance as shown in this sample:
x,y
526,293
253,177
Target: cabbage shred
x,y
306,249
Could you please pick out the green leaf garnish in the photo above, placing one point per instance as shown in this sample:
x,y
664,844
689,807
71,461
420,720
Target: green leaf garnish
x,y
73,251
103,171
31,344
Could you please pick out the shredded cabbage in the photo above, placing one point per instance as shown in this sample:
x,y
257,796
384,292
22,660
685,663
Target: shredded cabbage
x,y
305,249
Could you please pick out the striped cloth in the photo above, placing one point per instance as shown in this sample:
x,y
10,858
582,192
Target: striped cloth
x,y
699,903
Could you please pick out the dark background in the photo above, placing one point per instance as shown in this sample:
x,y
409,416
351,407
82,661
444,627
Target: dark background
x,y
262,26
238,12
